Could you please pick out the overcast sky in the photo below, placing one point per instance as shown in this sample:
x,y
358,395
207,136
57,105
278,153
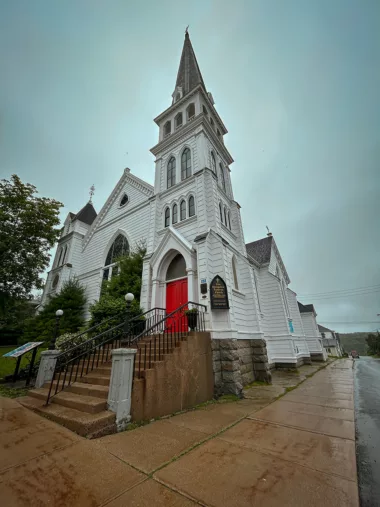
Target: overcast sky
x,y
295,82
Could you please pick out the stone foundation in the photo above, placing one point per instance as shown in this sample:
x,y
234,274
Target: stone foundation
x,y
317,356
237,363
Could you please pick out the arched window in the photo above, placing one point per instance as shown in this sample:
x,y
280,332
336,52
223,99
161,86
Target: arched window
x,y
167,128
177,97
234,272
218,132
190,111
204,109
229,221
182,210
167,217
191,206
225,217
171,172
124,200
177,268
64,255
222,179
186,164
118,248
213,163
212,123
60,256
178,120
55,282
221,212
175,214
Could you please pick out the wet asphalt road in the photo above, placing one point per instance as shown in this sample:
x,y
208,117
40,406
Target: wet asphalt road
x,y
367,415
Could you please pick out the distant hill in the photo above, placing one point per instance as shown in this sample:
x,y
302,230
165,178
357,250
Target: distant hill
x,y
354,341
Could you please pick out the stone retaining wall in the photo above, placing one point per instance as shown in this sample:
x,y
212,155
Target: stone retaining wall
x,y
237,363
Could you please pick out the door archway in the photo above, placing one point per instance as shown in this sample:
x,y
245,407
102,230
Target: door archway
x,y
176,288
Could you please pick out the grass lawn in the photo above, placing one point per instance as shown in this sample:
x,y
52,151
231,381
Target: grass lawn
x,y
8,364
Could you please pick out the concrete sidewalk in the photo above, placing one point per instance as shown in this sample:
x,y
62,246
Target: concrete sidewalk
x,y
298,450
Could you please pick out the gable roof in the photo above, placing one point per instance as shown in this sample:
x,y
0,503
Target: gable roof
x,y
325,329
306,308
86,215
260,250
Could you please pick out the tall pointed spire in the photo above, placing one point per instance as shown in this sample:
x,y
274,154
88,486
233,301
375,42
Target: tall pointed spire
x,y
189,76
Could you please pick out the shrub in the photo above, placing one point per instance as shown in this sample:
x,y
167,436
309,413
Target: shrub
x,y
69,340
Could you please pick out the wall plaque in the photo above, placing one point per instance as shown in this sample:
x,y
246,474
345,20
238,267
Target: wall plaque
x,y
218,294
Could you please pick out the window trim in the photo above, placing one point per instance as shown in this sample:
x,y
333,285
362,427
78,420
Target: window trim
x,y
120,202
175,213
167,217
182,209
229,220
184,166
167,131
188,117
178,115
170,176
191,197
221,212
213,164
222,177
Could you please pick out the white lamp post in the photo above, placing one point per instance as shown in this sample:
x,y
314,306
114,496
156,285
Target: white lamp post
x,y
128,298
58,315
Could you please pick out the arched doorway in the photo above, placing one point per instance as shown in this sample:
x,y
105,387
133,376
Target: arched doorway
x,y
176,284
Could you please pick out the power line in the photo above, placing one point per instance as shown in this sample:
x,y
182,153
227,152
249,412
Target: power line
x,y
322,298
312,294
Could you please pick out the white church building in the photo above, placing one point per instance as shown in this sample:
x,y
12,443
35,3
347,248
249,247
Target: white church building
x,y
191,225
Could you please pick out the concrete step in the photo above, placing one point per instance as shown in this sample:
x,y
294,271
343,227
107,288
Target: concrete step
x,y
94,378
88,404
84,424
98,391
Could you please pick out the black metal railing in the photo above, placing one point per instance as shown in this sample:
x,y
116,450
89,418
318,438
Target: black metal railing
x,y
164,335
154,313
81,359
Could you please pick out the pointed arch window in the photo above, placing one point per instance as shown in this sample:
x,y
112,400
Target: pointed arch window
x,y
182,210
191,206
167,128
221,212
190,111
229,221
213,164
222,178
185,164
234,273
60,256
118,248
171,172
167,217
212,123
204,109
175,214
225,217
178,120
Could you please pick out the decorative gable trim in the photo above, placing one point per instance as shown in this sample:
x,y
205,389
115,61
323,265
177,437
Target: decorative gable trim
x,y
280,261
132,180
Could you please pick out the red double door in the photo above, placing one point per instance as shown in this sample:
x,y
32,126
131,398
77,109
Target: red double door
x,y
176,296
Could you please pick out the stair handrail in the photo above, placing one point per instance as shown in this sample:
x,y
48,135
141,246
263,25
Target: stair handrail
x,y
125,314
84,350
185,305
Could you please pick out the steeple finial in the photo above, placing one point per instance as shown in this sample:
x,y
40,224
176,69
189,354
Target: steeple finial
x,y
269,234
92,192
187,31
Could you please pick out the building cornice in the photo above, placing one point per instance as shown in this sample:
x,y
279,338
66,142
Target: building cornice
x,y
199,121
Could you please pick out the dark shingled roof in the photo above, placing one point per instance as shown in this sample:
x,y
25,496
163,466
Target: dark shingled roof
x,y
324,329
305,308
260,250
329,342
87,214
189,76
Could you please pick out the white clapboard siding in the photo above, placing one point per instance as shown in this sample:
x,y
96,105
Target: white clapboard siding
x,y
275,320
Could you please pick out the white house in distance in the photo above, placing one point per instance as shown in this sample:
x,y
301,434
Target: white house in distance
x,y
191,225
331,342
312,334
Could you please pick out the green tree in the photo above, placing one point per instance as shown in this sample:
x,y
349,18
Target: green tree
x,y
71,299
373,342
112,302
14,314
27,233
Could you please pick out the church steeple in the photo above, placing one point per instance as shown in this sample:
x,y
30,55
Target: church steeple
x,y
189,76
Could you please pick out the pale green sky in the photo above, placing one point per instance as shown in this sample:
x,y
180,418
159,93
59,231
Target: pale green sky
x,y
296,83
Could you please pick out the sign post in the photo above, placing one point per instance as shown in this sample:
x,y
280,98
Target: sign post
x,y
18,353
219,294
